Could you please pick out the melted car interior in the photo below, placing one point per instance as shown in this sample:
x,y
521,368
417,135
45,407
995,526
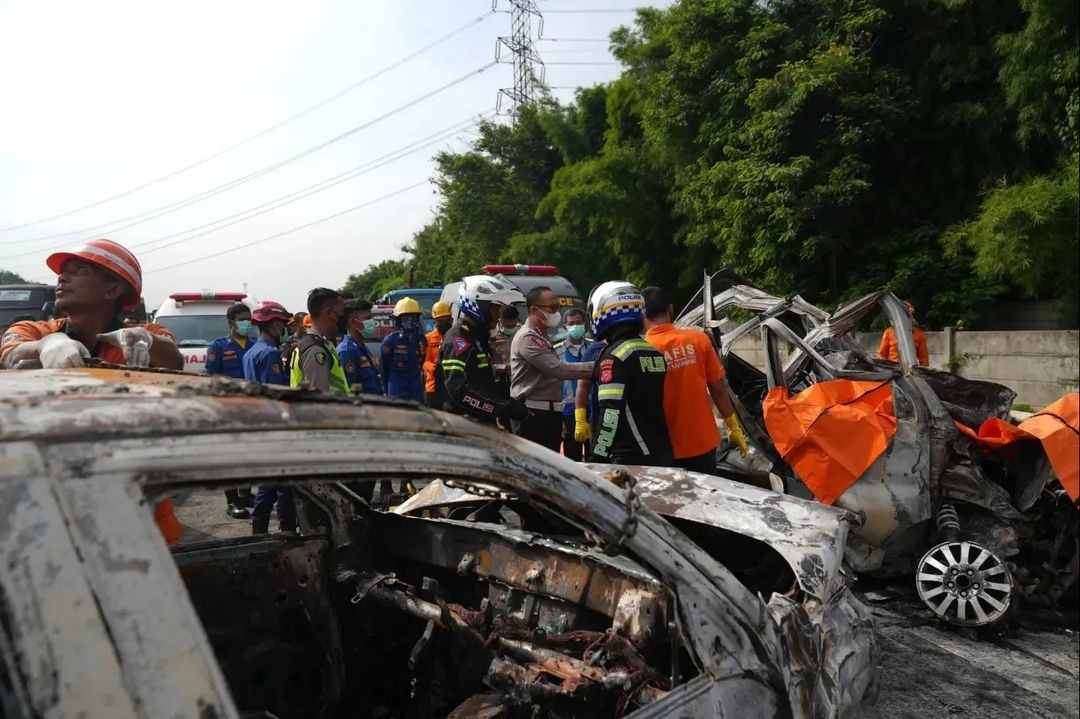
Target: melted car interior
x,y
497,610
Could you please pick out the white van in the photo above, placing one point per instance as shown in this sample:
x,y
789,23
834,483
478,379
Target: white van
x,y
196,320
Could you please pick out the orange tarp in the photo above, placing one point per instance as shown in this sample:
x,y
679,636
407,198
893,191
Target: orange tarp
x,y
832,432
1057,426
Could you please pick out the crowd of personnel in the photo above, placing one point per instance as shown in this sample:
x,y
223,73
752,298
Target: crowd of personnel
x,y
625,387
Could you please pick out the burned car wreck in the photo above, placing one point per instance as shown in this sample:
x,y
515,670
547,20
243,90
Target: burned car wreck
x,y
558,592
975,529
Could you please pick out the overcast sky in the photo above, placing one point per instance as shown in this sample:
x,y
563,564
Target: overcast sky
x,y
97,98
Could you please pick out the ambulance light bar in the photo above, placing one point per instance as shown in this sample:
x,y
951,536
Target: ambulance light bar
x,y
520,270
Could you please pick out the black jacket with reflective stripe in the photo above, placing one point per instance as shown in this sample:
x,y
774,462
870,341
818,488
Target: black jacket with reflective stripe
x,y
630,427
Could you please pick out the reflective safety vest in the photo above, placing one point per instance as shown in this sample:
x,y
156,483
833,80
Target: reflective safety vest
x,y
324,366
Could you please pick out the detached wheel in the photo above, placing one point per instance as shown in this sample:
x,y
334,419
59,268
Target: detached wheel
x,y
965,584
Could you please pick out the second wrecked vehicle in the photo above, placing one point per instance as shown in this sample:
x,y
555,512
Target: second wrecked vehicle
x,y
975,529
575,601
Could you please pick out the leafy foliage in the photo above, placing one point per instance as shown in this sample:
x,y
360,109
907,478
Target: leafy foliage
x,y
820,147
10,278
377,280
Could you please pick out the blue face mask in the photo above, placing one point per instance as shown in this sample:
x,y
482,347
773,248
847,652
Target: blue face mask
x,y
243,327
576,332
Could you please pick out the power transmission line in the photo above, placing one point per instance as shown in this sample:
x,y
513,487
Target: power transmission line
x,y
199,197
574,62
573,39
306,192
591,11
305,226
528,66
411,56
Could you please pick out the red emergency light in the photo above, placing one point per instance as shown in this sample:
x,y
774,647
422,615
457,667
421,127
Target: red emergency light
x,y
520,269
208,296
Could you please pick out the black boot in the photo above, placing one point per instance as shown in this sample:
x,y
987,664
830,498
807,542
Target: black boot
x,y
237,512
260,525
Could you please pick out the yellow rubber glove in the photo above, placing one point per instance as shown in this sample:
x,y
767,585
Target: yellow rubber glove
x,y
582,432
735,434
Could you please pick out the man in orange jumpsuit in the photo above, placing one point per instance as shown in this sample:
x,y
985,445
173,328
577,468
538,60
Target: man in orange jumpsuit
x,y
440,312
888,350
95,283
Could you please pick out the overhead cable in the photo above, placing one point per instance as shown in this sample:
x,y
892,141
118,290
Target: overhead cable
x,y
305,226
411,56
149,215
288,199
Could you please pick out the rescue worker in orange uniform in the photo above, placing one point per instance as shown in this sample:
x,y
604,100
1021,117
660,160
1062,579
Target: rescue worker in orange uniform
x,y
440,312
95,283
887,349
694,376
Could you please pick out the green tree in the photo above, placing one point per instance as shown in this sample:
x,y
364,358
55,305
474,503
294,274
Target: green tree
x,y
10,278
377,280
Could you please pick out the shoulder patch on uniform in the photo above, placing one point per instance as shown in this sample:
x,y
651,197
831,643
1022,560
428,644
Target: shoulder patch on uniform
x,y
276,368
10,337
211,356
607,368
461,346
539,342
350,367
320,357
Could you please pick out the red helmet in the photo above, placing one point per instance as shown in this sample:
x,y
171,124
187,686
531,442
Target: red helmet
x,y
270,310
112,256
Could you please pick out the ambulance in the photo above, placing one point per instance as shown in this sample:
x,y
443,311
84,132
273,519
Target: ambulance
x,y
197,319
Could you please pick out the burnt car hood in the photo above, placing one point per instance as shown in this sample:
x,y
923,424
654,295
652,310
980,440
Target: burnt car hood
x,y
809,536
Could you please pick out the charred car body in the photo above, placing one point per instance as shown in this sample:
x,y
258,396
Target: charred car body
x,y
558,595
974,529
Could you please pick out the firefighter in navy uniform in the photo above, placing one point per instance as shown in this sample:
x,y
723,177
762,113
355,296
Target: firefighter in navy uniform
x,y
403,353
464,378
630,427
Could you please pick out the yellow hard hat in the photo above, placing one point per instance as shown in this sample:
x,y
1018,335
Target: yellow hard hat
x,y
440,309
407,306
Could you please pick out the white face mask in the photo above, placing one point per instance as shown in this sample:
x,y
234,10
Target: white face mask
x,y
552,320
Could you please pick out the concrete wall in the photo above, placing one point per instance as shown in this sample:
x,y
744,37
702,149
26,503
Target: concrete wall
x,y
1039,366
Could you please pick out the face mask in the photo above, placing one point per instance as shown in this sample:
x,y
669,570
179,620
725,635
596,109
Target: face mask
x,y
552,320
243,327
509,331
286,338
576,332
369,328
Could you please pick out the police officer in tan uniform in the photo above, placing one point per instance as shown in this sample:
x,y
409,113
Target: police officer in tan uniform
x,y
537,372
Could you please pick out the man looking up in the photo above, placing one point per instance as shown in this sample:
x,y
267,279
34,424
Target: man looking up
x,y
694,375
95,283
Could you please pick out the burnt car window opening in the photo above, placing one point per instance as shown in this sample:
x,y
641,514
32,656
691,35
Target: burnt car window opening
x,y
435,613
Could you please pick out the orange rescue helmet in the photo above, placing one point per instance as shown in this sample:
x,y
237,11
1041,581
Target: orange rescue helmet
x,y
307,321
110,255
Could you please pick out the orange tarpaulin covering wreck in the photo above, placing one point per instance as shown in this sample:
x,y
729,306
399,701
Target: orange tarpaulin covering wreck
x,y
832,432
1057,426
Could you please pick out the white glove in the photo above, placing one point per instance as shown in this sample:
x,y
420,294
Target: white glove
x,y
134,341
57,351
